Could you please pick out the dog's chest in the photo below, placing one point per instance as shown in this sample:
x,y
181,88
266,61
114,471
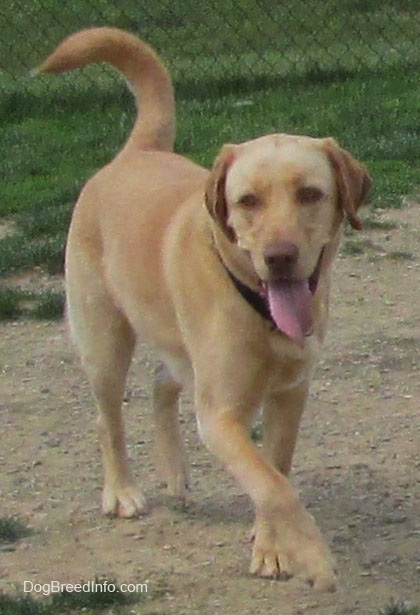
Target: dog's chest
x,y
291,365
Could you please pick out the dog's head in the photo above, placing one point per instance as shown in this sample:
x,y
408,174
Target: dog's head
x,y
281,199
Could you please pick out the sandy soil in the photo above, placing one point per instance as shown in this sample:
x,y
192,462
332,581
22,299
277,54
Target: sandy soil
x,y
357,464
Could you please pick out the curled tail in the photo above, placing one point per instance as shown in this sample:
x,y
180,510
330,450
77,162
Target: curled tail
x,y
148,79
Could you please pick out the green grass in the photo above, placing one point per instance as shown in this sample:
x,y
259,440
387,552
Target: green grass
x,y
399,608
19,252
347,74
64,602
352,247
104,600
10,303
401,255
374,223
13,529
114,603
228,39
44,305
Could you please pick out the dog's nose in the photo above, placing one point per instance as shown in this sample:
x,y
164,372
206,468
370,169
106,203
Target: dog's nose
x,y
281,257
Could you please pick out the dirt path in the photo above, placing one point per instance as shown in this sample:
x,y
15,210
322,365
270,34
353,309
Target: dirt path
x,y
357,466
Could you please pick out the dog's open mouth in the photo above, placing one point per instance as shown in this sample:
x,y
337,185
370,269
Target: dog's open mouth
x,y
290,304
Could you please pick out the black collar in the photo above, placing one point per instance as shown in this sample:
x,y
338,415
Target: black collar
x,y
254,299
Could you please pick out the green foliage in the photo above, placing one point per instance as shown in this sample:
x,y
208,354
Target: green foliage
x,y
401,255
227,39
10,303
12,529
45,305
48,306
94,600
21,605
88,602
41,221
19,253
375,223
351,247
399,608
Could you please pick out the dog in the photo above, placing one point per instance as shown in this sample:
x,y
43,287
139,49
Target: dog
x,y
227,273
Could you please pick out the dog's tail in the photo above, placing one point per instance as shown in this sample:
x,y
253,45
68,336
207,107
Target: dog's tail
x,y
148,79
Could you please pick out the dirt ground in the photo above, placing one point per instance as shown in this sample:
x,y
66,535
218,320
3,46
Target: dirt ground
x,y
357,466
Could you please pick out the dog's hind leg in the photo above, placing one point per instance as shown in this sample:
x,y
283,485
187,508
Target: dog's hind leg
x,y
106,343
170,451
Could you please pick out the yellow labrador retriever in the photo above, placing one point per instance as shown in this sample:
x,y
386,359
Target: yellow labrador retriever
x,y
227,273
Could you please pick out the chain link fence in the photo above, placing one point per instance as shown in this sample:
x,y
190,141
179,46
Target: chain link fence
x,y
226,39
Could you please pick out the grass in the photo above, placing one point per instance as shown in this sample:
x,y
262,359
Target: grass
x,y
10,300
378,224
399,608
109,599
16,303
352,247
88,602
91,603
56,131
13,529
48,305
219,39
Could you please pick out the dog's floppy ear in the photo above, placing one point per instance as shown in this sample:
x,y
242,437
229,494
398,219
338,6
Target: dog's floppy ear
x,y
215,196
353,181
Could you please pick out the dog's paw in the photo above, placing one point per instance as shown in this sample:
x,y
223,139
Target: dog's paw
x,y
177,486
285,546
175,478
124,502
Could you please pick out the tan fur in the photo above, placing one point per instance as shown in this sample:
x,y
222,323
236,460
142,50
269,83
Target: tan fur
x,y
145,73
150,241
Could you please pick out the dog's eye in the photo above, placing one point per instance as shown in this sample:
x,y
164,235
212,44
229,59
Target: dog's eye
x,y
249,200
309,194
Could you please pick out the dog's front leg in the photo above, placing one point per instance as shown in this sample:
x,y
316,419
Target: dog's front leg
x,y
287,540
282,412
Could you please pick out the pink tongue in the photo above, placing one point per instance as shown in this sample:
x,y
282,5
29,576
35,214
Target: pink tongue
x,y
290,308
